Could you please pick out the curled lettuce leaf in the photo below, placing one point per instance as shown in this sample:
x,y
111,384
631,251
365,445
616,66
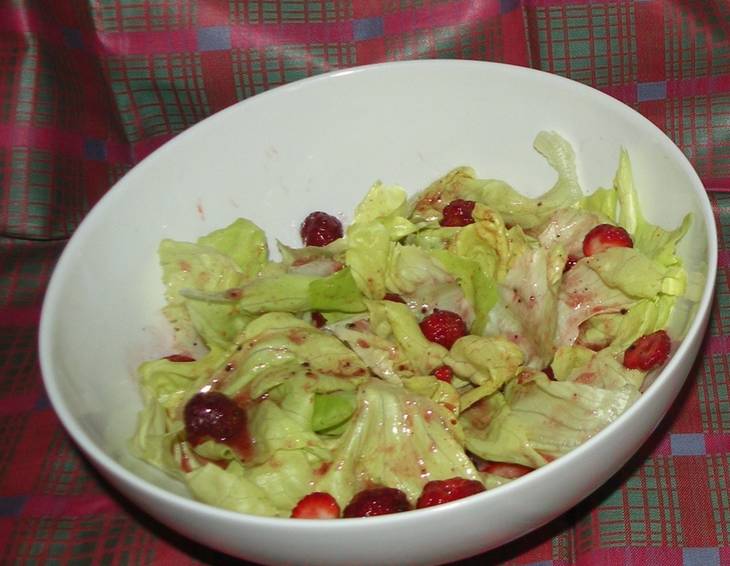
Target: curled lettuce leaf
x,y
424,356
379,221
397,439
493,433
636,275
419,278
380,354
528,310
600,369
567,228
243,242
653,241
487,361
516,208
538,420
337,292
229,489
223,259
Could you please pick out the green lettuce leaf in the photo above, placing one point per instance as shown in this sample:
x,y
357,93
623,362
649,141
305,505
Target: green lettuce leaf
x,y
602,202
558,416
338,292
229,489
284,293
493,433
567,228
243,242
331,411
527,310
380,354
445,394
602,369
155,436
516,208
424,356
396,439
633,273
582,295
478,288
422,281
191,266
168,382
488,361
427,205
655,242
218,324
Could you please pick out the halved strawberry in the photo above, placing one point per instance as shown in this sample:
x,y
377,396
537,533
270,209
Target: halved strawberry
x,y
505,470
606,236
443,327
437,492
317,505
443,373
648,352
458,213
377,501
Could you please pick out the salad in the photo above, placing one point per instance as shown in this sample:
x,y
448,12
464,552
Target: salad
x,y
439,346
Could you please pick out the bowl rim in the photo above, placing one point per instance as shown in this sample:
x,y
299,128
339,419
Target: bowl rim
x,y
114,469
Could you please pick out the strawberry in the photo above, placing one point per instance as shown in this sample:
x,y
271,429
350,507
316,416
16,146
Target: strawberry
x,y
549,372
606,236
215,415
394,297
458,213
505,470
443,327
320,229
179,358
317,505
377,501
444,373
437,492
648,352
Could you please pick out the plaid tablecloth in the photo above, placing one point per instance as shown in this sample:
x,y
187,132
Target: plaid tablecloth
x,y
87,88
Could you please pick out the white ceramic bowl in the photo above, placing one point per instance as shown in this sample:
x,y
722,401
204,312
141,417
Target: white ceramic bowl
x,y
319,144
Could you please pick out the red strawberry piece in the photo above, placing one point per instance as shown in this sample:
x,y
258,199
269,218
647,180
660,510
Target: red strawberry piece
x,y
377,501
443,327
444,373
320,229
570,263
606,236
394,297
317,505
505,470
458,213
437,492
318,319
648,352
549,372
179,358
213,415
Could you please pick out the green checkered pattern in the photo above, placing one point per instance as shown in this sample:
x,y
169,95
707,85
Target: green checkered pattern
x,y
594,44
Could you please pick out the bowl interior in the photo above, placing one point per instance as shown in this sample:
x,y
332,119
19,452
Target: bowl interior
x,y
319,145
